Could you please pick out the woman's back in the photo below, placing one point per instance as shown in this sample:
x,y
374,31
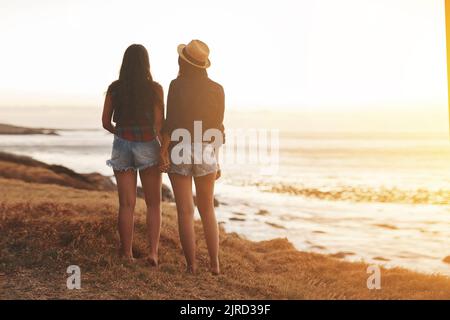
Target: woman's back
x,y
135,103
134,110
194,98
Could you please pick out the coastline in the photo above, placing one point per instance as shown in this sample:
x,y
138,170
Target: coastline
x,y
45,227
10,129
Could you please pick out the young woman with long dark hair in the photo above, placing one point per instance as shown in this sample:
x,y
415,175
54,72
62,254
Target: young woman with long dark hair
x,y
193,97
136,104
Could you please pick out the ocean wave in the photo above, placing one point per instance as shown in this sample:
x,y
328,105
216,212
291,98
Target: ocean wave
x,y
365,194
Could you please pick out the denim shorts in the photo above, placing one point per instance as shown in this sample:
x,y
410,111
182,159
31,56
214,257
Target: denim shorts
x,y
196,165
133,155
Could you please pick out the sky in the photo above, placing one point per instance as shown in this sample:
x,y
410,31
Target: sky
x,y
320,55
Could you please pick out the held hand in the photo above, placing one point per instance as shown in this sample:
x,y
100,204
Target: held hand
x,y
164,162
218,173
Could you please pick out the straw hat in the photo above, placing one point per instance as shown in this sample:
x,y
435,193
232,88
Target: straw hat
x,y
195,53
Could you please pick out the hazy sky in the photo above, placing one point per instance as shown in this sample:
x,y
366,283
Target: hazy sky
x,y
302,55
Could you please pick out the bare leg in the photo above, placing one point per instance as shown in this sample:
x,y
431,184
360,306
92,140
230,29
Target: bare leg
x,y
151,183
182,189
126,187
204,187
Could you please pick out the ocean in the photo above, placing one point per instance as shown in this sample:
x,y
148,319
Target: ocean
x,y
372,197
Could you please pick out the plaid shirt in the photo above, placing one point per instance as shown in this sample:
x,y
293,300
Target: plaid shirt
x,y
139,129
136,133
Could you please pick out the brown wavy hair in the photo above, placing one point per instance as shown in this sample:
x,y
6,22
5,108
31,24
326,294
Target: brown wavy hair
x,y
134,92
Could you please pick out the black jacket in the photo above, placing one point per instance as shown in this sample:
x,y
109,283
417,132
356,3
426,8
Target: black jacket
x,y
194,98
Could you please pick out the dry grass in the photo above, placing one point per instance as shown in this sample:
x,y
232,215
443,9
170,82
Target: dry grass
x,y
45,228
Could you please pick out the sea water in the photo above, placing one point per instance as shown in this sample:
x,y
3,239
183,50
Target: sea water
x,y
373,197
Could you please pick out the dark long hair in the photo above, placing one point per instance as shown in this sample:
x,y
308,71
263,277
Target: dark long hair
x,y
135,89
188,70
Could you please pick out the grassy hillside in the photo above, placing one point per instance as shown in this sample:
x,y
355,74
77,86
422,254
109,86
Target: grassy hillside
x,y
46,228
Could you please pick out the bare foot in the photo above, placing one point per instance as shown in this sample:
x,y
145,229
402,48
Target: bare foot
x,y
215,271
152,261
127,259
214,268
191,269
